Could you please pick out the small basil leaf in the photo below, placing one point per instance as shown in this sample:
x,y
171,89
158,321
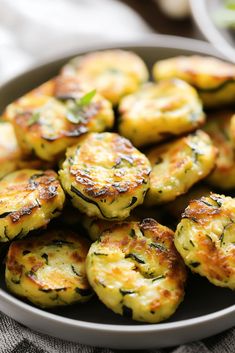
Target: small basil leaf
x,y
86,99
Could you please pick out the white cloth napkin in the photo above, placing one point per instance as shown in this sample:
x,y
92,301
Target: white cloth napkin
x,y
31,30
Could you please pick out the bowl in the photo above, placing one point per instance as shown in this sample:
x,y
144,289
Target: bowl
x,y
223,39
206,310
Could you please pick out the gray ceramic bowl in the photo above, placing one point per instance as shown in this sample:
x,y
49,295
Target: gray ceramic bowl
x,y
206,310
222,38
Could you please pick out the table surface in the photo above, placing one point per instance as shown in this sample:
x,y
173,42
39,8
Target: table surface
x,y
151,13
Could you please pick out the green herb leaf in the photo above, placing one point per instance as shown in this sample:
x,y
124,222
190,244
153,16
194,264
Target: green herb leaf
x,y
224,16
86,99
76,113
33,119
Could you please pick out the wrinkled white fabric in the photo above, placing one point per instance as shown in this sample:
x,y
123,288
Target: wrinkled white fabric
x,y
31,30
15,338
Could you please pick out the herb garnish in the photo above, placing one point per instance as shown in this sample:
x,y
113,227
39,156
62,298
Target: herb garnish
x,y
33,119
76,112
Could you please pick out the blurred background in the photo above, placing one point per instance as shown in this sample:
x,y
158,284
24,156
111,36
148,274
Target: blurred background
x,y
34,30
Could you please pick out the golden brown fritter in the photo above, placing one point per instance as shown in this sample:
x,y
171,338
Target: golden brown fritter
x,y
213,78
29,199
114,73
205,238
159,111
105,176
177,207
95,226
178,165
49,270
55,115
136,271
218,127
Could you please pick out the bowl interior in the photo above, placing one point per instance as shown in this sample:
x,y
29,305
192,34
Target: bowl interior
x,y
201,297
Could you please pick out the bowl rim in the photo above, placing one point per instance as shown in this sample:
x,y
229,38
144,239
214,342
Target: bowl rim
x,y
116,327
146,41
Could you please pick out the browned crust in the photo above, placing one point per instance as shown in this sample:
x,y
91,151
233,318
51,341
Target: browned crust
x,y
215,261
61,88
18,266
123,150
68,87
193,61
25,211
160,250
46,183
71,130
201,211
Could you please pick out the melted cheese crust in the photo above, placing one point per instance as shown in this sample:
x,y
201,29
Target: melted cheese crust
x,y
105,176
29,199
205,238
114,73
214,78
218,127
49,119
136,272
158,111
177,165
49,270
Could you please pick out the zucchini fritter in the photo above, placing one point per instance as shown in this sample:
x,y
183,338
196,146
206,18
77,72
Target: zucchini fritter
x,y
159,111
218,127
177,207
114,73
11,157
105,176
177,165
136,271
46,124
29,199
95,226
205,238
49,270
213,78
